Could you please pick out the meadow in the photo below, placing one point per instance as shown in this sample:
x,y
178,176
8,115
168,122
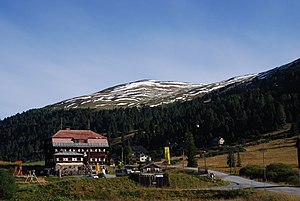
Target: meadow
x,y
276,151
183,186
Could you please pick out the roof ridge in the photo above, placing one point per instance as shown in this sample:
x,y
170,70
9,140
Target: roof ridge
x,y
78,134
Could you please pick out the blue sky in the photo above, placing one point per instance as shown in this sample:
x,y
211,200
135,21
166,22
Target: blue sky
x,y
59,49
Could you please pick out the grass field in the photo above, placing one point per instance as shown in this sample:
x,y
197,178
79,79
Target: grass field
x,y
120,188
190,187
276,151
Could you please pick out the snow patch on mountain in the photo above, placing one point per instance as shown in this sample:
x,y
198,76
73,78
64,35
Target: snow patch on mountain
x,y
147,92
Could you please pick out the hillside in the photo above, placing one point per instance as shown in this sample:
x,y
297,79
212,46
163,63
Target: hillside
x,y
276,151
146,93
239,111
157,93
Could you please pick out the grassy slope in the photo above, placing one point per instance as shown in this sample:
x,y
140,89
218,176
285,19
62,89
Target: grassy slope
x,y
124,189
120,188
277,151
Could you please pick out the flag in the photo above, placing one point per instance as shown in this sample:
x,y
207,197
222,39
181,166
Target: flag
x,y
167,155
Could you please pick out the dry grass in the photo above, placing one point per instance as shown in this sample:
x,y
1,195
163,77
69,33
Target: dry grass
x,y
271,196
276,151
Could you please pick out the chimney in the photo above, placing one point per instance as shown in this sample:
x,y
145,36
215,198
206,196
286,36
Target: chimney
x,y
68,128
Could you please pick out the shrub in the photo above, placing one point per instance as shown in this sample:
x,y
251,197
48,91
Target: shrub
x,y
294,180
252,171
279,172
7,185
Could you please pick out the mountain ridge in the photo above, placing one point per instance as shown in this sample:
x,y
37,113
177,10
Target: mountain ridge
x,y
146,92
149,92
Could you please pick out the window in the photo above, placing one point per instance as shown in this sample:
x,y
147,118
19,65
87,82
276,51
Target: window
x,y
56,150
74,159
104,150
78,150
57,159
91,159
81,159
65,159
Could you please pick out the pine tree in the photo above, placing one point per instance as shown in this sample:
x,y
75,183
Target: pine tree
x,y
298,122
128,152
231,159
294,129
190,150
281,118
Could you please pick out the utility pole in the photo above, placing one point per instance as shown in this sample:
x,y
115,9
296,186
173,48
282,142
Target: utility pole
x,y
234,163
230,158
122,153
264,170
298,152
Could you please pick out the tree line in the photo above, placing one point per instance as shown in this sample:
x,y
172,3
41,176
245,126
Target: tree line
x,y
237,113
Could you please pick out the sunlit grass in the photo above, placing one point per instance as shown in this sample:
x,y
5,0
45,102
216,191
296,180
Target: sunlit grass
x,y
276,151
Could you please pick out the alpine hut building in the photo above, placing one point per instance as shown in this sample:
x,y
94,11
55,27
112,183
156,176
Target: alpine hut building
x,y
71,152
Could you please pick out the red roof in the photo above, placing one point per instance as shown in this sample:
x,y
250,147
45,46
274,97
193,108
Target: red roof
x,y
78,134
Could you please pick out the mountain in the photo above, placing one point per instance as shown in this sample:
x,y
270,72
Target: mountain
x,y
155,93
239,109
147,93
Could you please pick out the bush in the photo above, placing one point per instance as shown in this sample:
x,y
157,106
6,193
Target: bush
x,y
7,185
294,180
252,171
276,172
279,172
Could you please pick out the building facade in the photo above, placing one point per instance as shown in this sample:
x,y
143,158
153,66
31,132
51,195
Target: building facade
x,y
73,150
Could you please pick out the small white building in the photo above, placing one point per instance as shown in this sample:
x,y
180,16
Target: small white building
x,y
144,158
221,141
